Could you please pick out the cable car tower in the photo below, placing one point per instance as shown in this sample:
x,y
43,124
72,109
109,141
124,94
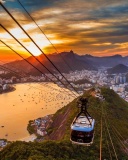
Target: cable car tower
x,y
82,127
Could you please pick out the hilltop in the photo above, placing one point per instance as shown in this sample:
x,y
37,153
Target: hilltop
x,y
59,147
120,68
106,61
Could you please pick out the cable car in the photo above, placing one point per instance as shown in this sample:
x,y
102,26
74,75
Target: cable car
x,y
82,127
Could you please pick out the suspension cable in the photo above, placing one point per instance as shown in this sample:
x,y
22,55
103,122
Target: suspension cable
x,y
38,48
10,70
25,60
30,63
110,138
101,134
110,155
119,133
32,79
121,143
34,57
43,33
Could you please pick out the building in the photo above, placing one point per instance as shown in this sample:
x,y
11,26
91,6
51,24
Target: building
x,y
1,88
3,143
6,87
41,132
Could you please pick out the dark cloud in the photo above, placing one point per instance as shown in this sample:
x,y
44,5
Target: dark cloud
x,y
79,24
110,12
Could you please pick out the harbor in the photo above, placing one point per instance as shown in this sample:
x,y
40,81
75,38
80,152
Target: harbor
x,y
28,102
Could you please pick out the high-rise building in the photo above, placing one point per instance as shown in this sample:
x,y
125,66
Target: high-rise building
x,y
121,80
124,79
117,79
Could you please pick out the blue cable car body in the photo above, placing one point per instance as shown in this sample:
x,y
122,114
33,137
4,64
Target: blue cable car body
x,y
81,124
82,128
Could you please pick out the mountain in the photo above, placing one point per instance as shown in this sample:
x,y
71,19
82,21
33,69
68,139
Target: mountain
x,y
114,115
65,62
120,68
108,61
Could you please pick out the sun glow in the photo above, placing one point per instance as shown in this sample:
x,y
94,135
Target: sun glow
x,y
35,51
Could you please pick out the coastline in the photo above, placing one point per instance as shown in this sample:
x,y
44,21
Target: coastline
x,y
9,90
38,127
33,103
30,138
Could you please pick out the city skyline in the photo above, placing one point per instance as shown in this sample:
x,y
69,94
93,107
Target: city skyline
x,y
96,28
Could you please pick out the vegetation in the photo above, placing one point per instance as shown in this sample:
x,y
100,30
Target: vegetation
x,y
30,128
9,75
82,81
113,110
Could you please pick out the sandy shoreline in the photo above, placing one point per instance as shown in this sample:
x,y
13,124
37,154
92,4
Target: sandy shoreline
x,y
9,90
30,138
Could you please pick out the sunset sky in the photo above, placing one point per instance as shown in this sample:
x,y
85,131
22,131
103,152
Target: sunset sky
x,y
96,27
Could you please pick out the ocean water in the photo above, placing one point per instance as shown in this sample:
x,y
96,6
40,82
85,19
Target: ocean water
x,y
29,101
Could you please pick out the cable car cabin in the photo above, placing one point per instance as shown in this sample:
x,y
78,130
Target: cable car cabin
x,y
82,130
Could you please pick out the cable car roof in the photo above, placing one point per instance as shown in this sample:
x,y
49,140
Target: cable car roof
x,y
82,124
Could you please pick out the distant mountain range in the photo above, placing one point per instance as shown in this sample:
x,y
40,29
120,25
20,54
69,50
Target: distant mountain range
x,y
108,61
120,68
68,61
65,62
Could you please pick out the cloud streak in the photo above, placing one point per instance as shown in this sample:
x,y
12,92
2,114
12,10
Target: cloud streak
x,y
80,25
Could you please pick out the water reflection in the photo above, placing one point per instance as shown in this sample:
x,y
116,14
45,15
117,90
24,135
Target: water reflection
x,y
27,102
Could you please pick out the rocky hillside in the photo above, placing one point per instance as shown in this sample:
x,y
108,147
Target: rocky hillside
x,y
114,113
